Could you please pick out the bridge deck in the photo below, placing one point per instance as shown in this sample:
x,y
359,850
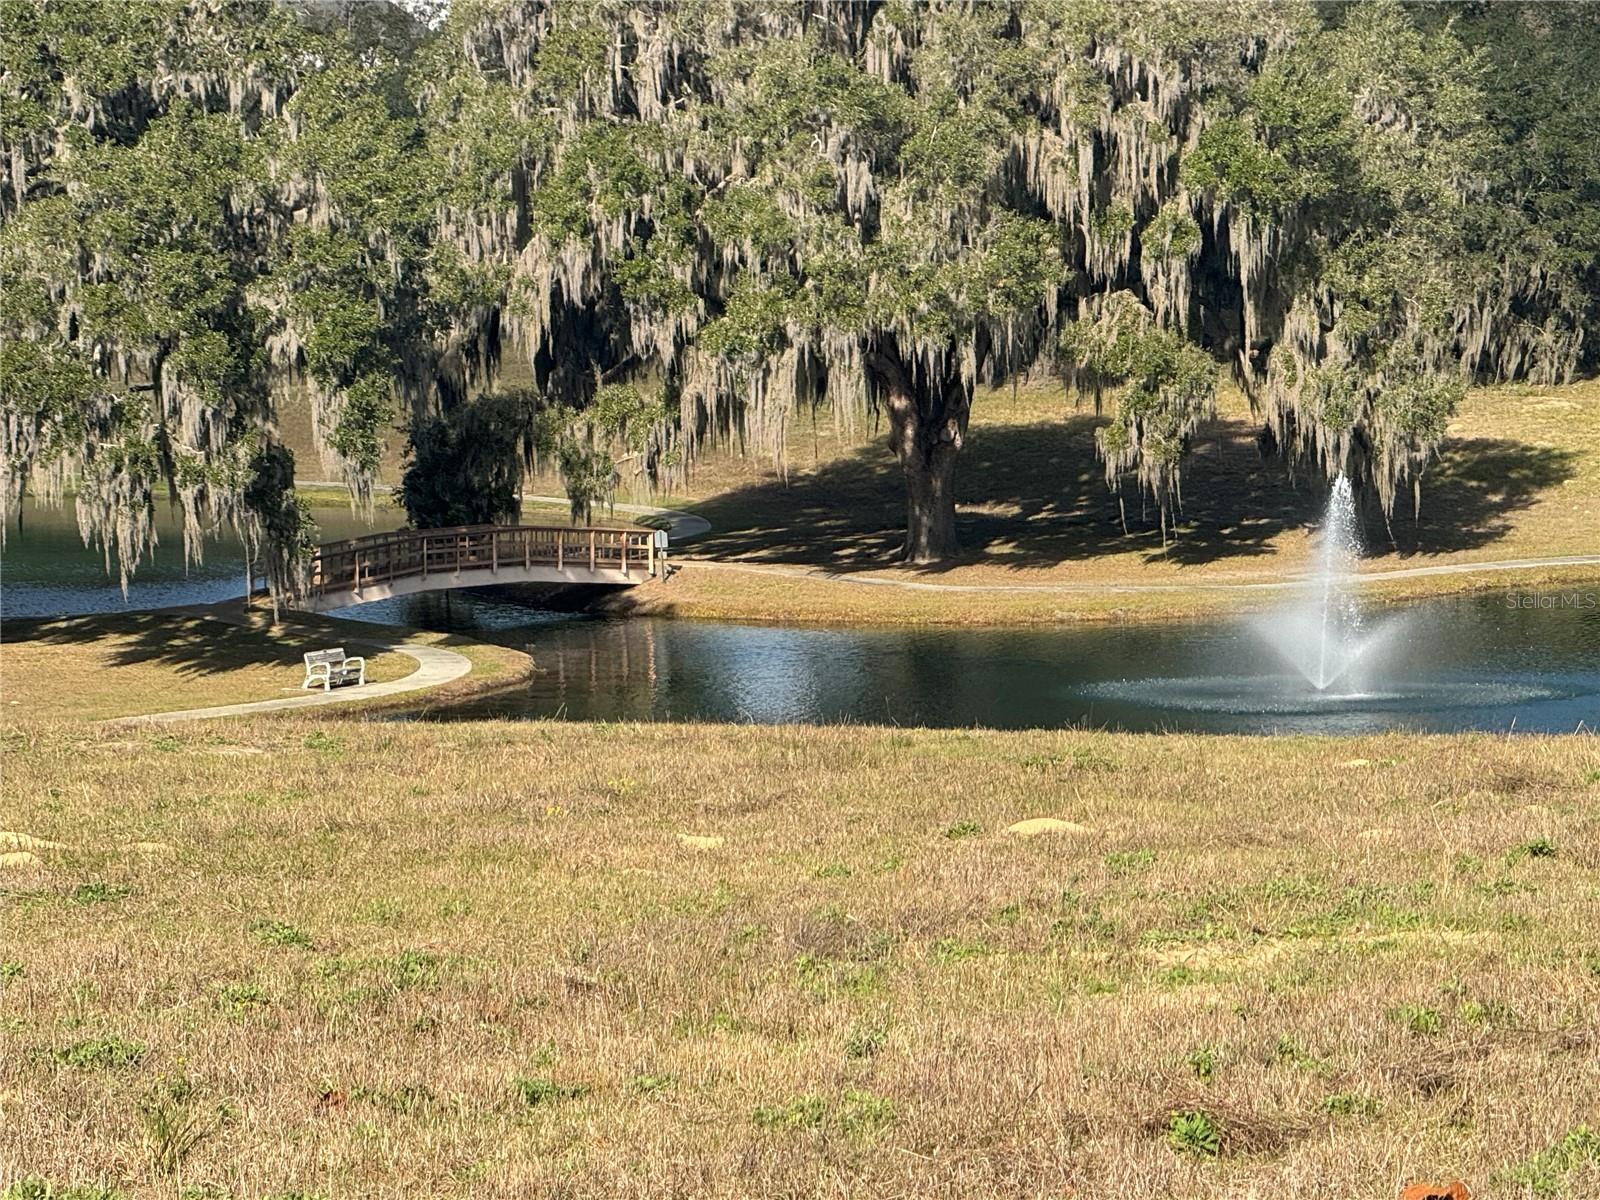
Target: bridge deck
x,y
390,564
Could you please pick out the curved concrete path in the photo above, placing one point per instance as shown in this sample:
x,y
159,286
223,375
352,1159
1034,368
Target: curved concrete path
x,y
435,665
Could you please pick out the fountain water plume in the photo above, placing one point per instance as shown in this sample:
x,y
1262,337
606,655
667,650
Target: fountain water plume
x,y
1323,634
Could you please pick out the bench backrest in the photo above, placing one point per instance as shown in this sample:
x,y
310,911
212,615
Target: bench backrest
x,y
331,657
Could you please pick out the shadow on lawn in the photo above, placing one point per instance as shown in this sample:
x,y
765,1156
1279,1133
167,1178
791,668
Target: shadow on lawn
x,y
1035,495
188,645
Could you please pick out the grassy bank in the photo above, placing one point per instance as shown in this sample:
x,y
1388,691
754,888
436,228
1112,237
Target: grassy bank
x,y
123,665
611,961
750,592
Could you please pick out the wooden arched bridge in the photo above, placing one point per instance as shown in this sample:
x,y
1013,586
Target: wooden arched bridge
x,y
382,565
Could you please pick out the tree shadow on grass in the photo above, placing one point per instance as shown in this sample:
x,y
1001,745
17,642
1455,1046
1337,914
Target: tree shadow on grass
x,y
192,646
1036,496
1471,493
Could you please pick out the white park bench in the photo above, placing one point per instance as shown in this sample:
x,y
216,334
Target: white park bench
x,y
329,668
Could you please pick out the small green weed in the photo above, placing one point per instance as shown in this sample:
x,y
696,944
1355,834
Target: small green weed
x,y
101,1053
1545,1174
1289,1050
541,1091
833,871
174,1122
1194,1133
35,1188
1418,1018
1350,1104
98,893
11,969
1203,1062
1539,847
239,998
1129,862
1087,758
1486,1012
318,740
963,829
863,1113
952,949
864,1041
415,968
280,933
802,1112
826,977
652,1085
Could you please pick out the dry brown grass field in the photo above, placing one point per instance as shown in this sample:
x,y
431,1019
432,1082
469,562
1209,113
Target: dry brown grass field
x,y
541,959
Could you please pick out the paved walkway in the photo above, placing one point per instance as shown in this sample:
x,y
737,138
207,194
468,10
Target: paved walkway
x,y
435,665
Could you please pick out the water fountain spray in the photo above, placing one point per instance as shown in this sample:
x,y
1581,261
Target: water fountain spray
x,y
1323,634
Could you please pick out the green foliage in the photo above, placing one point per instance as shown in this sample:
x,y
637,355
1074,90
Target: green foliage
x,y
466,465
1545,1173
1418,1018
1203,1061
801,1112
109,1053
1539,847
175,1122
865,1041
280,933
542,1091
963,829
1195,1133
954,949
689,221
99,892
35,1188
1129,862
1351,1104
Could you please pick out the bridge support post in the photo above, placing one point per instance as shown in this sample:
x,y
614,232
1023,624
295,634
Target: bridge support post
x,y
591,549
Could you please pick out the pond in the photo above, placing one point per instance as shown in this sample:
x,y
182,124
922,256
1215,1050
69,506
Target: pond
x,y
1507,660
46,571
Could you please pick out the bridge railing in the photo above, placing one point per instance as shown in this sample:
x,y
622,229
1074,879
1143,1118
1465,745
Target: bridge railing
x,y
385,557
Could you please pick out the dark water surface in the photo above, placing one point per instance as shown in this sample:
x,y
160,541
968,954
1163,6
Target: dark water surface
x,y
1486,662
46,571
1497,661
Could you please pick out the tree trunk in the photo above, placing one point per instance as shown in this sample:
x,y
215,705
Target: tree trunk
x,y
930,504
927,425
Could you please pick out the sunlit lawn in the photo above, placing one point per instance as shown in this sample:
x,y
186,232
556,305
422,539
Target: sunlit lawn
x,y
549,959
